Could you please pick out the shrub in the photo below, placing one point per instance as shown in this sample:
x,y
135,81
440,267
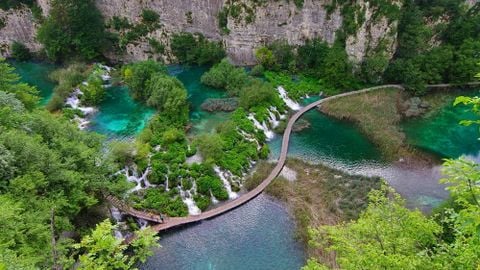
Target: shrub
x,y
224,75
196,49
20,52
150,16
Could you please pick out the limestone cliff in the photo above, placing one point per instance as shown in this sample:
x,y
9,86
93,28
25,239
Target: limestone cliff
x,y
17,25
272,20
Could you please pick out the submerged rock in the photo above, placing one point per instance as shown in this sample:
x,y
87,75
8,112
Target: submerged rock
x,y
300,125
414,107
220,104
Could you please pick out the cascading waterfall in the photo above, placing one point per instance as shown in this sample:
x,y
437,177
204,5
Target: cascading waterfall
x,y
263,127
188,200
290,103
141,180
75,103
273,118
250,138
223,176
142,223
214,200
117,216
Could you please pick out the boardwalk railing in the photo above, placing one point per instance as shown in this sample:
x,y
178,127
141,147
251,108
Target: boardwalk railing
x,y
122,206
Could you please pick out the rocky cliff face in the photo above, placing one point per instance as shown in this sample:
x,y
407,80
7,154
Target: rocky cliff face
x,y
274,20
18,25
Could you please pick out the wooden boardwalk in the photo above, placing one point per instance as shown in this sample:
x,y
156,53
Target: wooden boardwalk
x,y
178,221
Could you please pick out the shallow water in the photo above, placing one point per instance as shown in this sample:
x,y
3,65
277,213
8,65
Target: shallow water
x,y
202,121
257,235
340,145
119,115
36,74
442,134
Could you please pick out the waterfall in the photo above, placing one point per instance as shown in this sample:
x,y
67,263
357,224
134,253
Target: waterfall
x,y
263,127
75,103
273,118
275,110
290,103
117,216
226,183
192,206
142,223
214,200
141,180
250,138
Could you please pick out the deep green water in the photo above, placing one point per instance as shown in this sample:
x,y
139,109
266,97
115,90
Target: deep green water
x,y
441,133
36,73
202,121
119,115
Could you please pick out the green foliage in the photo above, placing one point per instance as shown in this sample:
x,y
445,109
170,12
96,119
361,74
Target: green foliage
x,y
259,93
386,236
168,95
208,184
102,250
8,4
137,74
196,49
150,16
374,67
226,76
9,84
211,146
67,79
93,92
20,52
223,20
298,86
163,203
156,46
73,28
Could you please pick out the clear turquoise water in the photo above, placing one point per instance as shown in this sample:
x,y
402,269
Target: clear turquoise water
x,y
257,235
441,133
202,121
119,115
36,73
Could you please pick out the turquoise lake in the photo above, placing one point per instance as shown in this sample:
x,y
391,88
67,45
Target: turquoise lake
x,y
260,234
36,73
119,115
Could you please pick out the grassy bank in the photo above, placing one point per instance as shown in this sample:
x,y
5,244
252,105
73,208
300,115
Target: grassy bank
x,y
379,113
376,114
319,196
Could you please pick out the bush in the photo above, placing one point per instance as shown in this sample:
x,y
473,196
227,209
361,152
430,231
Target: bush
x,y
196,49
226,76
20,52
150,16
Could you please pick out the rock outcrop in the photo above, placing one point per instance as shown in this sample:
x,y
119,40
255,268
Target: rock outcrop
x,y
18,25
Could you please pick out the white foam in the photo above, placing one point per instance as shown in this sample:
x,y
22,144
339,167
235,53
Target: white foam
x,y
290,103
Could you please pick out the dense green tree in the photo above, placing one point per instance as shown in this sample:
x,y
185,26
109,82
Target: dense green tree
x,y
168,95
20,52
9,82
386,236
73,28
102,250
211,146
226,76
137,74
93,91
258,93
